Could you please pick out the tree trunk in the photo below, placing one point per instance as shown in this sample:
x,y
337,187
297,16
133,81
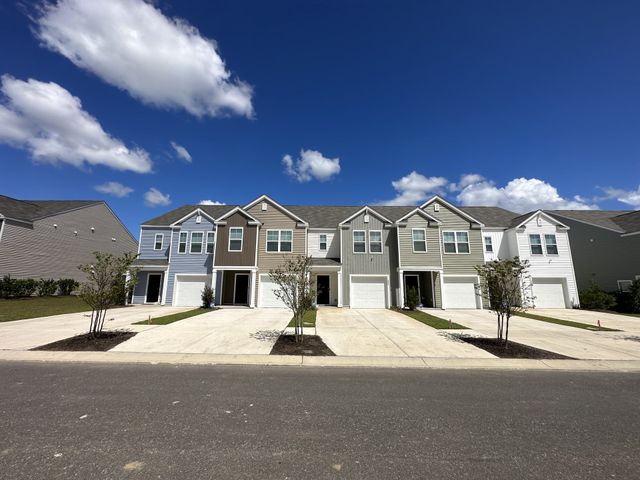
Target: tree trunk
x,y
506,337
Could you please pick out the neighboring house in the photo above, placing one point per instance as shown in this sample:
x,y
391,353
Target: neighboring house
x,y
605,246
50,238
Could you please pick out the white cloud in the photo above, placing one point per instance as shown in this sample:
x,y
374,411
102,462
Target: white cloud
x,y
466,179
630,197
154,198
114,188
415,188
311,164
211,202
182,152
48,122
159,60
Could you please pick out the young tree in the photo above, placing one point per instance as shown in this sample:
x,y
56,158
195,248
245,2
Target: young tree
x,y
505,284
295,290
104,285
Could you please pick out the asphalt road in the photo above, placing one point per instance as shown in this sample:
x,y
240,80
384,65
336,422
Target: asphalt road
x,y
186,422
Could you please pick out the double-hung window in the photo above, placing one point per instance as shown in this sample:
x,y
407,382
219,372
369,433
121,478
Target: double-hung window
x,y
235,239
456,242
323,242
488,245
211,238
279,240
536,244
375,241
359,241
196,242
551,244
158,241
419,239
182,242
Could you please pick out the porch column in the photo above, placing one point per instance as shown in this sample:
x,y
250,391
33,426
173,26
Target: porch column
x,y
442,296
340,288
127,279
401,288
214,281
252,289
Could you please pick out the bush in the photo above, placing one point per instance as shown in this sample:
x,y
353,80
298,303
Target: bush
x,y
413,300
635,296
594,298
27,287
66,286
46,287
207,296
12,287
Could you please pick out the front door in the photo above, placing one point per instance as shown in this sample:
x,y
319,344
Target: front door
x,y
241,289
154,280
412,281
322,290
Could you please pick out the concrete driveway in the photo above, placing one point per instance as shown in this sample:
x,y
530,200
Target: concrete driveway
x,y
224,331
33,332
570,341
609,320
379,332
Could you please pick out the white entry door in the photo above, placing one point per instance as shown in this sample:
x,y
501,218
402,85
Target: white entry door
x,y
460,292
549,293
189,290
369,292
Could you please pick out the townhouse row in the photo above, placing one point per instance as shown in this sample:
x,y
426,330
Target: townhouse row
x,y
362,257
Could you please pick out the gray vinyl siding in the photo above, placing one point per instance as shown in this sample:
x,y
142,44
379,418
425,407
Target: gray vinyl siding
x,y
147,240
245,258
360,264
407,257
42,251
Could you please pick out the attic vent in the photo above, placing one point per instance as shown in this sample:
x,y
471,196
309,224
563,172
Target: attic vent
x,y
264,206
198,218
366,218
436,207
539,220
113,239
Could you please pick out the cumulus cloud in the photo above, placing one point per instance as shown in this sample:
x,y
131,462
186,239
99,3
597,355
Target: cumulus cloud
x,y
466,179
415,188
630,197
155,198
114,188
48,122
311,165
211,202
132,45
181,152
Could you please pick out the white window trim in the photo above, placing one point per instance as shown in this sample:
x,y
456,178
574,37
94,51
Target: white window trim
x,y
484,240
202,244
413,242
155,241
381,244
455,237
206,243
279,230
320,242
541,254
625,281
186,243
353,242
241,239
546,251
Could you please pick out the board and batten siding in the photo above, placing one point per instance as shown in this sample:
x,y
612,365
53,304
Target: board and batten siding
x,y
147,241
333,244
44,251
245,258
500,243
367,263
431,258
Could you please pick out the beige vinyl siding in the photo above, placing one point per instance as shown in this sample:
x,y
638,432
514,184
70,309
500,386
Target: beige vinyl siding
x,y
410,259
245,258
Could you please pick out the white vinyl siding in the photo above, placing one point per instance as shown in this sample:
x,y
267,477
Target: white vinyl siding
x,y
235,239
323,242
316,244
488,244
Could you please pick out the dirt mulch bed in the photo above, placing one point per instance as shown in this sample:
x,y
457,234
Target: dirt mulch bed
x,y
512,350
313,346
89,342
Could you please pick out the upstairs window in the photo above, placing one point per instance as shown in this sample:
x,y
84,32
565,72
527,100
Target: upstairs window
x,y
196,242
359,241
235,239
323,242
536,244
279,240
551,244
456,242
182,243
158,241
488,244
375,241
624,285
419,238
211,238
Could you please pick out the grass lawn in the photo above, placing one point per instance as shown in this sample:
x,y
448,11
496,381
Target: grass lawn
x,y
33,307
431,320
616,313
309,319
167,319
567,323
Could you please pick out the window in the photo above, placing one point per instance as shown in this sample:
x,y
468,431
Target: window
x,y
624,285
196,242
419,237
456,242
323,242
550,244
279,240
536,244
375,241
359,242
182,243
488,245
211,238
157,241
235,239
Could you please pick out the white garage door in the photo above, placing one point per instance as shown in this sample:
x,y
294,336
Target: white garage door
x,y
267,296
368,292
189,290
549,293
460,292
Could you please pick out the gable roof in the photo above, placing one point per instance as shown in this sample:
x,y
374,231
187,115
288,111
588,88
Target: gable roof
x,y
452,207
492,217
630,221
31,210
240,210
518,221
284,210
607,219
172,216
366,210
418,211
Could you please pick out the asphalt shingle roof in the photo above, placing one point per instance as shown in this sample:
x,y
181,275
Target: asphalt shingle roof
x,y
495,217
599,218
176,214
30,210
630,222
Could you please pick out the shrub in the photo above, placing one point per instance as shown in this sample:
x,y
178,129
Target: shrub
x,y
207,296
26,287
634,292
413,300
12,287
66,286
6,286
46,287
594,298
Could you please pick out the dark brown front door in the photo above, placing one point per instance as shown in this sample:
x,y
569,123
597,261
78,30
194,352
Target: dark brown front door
x,y
323,290
241,291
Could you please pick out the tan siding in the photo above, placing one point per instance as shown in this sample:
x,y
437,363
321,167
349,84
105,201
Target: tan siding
x,y
245,258
429,259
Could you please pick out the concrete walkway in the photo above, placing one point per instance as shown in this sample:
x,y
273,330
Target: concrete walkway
x,y
609,320
224,331
385,333
33,332
570,341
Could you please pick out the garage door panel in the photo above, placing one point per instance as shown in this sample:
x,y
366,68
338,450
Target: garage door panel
x,y
460,292
549,293
268,297
189,290
368,292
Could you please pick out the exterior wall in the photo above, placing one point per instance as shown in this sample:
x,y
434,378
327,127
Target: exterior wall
x,y
140,290
500,243
245,258
42,251
380,264
408,258
147,240
333,244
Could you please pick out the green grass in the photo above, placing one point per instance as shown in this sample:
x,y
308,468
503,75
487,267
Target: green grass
x,y
309,319
431,320
566,323
615,313
167,319
33,307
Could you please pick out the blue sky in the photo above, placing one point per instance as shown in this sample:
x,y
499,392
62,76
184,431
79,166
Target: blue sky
x,y
517,104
